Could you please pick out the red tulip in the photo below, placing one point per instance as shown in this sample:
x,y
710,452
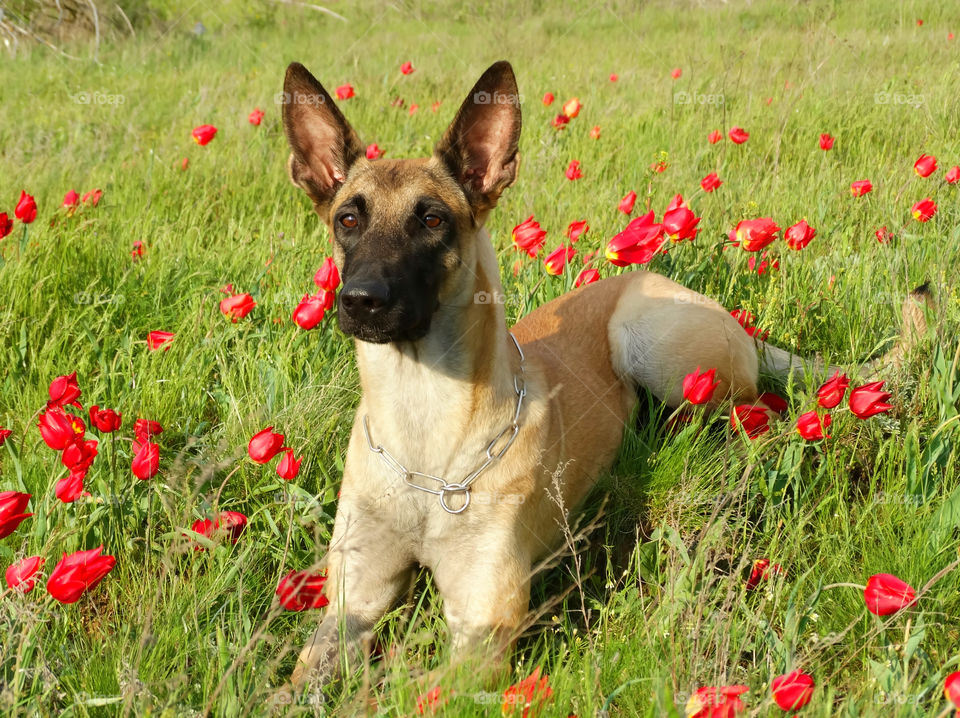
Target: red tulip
x,y
924,210
755,234
70,488
571,108
528,237
831,393
255,117
345,92
738,135
4,433
883,235
925,165
93,197
64,391
679,221
6,225
548,98
745,319
773,402
792,691
203,134
374,152
626,204
675,73
868,400
577,229
204,527
951,689
522,696
432,700
71,199
799,235
614,77
761,268
264,445
710,182
826,142
328,276
26,209
302,590
573,170
77,573
761,571
698,388
288,467
414,107
716,702
159,340
560,121
595,132
12,505
145,429
886,594
137,250
811,427
79,455
106,420
310,311
237,307
146,463
22,575
638,243
861,187
753,419
59,429
407,68
557,260
953,174
587,276
232,523
714,137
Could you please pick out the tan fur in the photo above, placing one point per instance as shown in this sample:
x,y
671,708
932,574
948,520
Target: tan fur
x,y
436,403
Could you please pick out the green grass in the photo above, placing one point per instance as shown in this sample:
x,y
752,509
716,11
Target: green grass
x,y
653,604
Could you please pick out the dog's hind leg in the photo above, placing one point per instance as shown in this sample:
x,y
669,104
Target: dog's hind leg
x,y
660,331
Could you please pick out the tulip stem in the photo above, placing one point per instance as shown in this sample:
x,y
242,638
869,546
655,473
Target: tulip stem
x,y
149,521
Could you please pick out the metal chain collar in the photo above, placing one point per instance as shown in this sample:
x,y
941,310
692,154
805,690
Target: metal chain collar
x,y
462,486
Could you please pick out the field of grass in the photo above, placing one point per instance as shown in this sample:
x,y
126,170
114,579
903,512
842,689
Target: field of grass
x,y
653,604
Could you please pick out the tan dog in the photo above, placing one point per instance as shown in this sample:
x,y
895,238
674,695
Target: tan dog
x,y
447,392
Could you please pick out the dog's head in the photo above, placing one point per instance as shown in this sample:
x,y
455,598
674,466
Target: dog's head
x,y
404,231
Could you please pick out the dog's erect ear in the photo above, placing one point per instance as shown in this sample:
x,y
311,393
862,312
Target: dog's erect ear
x,y
323,143
480,146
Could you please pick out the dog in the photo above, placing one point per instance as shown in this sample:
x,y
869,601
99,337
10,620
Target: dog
x,y
471,443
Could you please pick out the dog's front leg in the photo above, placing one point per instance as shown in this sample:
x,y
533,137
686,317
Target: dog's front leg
x,y
366,572
486,597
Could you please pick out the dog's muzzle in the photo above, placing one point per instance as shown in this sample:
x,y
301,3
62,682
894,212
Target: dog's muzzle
x,y
374,310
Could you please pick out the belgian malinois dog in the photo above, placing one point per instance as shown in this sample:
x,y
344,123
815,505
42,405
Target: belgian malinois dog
x,y
471,443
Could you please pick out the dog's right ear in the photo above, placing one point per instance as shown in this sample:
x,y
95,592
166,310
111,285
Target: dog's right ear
x,y
323,144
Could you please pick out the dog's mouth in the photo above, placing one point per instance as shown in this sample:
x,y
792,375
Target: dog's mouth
x,y
382,335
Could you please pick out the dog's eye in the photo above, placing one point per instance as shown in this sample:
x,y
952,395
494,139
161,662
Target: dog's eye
x,y
432,221
349,221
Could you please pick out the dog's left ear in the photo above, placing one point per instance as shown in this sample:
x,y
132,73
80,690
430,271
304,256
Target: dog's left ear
x,y
323,144
480,146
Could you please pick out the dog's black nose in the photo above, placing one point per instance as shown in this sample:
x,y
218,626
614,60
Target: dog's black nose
x,y
364,298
